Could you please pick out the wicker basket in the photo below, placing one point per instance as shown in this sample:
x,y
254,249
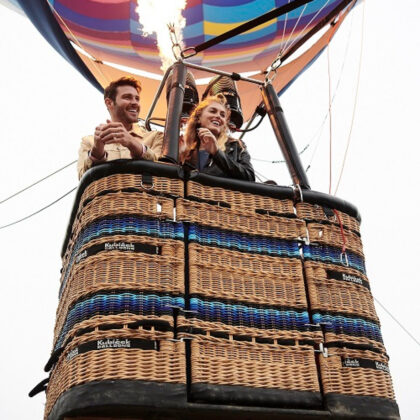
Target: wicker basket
x,y
343,290
102,307
102,265
241,201
354,330
137,355
213,257
220,364
189,327
332,235
225,274
125,203
315,213
122,225
132,182
239,219
356,372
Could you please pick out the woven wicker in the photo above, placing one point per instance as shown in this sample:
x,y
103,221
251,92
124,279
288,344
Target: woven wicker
x,y
337,295
123,203
125,269
239,220
120,182
104,306
207,256
125,320
353,340
239,200
165,365
339,379
119,271
314,212
332,235
224,282
124,225
227,362
187,328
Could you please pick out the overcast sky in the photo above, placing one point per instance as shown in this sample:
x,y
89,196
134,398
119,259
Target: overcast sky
x,y
47,106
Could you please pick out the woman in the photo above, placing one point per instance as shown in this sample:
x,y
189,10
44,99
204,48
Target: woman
x,y
207,147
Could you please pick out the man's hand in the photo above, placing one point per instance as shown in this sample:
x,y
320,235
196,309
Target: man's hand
x,y
98,150
115,132
208,141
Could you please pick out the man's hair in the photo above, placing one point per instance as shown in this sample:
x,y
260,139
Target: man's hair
x,y
111,90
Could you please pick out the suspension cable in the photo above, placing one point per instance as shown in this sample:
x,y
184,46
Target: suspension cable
x,y
38,211
37,182
355,99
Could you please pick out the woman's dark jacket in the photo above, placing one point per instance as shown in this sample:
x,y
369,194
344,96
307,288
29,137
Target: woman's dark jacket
x,y
234,162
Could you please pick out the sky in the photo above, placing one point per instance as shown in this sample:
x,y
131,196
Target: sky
x,y
47,107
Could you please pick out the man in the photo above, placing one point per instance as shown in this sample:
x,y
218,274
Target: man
x,y
120,137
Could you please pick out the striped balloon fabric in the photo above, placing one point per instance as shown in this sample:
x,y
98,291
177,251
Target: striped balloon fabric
x,y
109,30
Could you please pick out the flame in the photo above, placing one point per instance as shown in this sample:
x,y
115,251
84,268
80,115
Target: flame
x,y
155,16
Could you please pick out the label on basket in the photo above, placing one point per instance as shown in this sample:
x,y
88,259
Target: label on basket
x,y
113,343
352,362
351,278
118,246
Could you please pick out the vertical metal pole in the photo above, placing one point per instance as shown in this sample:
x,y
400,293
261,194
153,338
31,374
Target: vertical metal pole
x,y
284,138
176,96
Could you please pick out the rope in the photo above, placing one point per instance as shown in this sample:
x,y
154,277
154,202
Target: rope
x,y
355,100
330,114
38,211
94,60
343,236
37,182
318,133
398,322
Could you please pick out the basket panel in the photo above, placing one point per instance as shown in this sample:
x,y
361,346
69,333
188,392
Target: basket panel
x,y
243,242
239,219
213,257
240,285
120,226
332,235
225,274
123,203
116,271
227,362
356,372
120,182
357,330
345,291
165,364
315,212
130,244
239,200
334,256
190,327
103,304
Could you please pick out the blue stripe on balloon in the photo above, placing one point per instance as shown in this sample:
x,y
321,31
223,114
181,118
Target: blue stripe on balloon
x,y
232,12
115,25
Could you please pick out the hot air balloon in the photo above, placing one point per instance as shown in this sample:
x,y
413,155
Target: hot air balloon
x,y
209,296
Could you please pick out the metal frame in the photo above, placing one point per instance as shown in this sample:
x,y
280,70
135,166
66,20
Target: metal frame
x,y
171,134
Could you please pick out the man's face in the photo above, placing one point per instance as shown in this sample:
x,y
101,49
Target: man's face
x,y
126,107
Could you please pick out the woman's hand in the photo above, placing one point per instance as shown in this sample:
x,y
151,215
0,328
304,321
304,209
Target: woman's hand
x,y
208,141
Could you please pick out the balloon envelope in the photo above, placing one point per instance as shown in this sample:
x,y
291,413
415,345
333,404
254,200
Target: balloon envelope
x,y
107,33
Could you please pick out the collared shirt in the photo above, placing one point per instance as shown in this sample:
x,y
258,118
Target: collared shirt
x,y
151,139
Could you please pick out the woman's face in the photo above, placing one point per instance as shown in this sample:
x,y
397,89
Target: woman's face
x,y
214,118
